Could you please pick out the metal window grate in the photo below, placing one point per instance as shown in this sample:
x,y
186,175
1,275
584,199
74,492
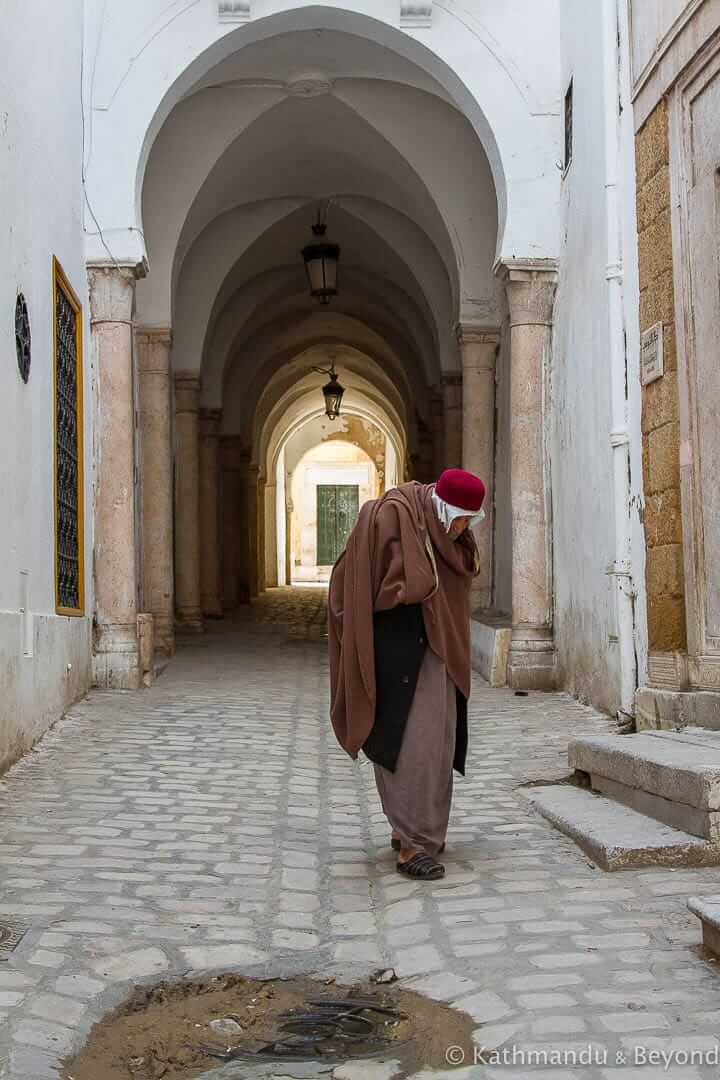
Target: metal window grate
x,y
68,451
568,125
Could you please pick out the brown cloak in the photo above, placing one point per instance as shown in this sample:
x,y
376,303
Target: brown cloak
x,y
398,553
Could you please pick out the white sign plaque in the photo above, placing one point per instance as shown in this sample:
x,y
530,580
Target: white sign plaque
x,y
651,354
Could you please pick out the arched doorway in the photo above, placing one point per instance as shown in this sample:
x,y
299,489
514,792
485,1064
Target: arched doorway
x,y
235,151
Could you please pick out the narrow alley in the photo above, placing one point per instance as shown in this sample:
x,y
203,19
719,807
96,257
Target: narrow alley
x,y
212,823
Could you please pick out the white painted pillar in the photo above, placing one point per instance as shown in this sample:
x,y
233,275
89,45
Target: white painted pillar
x,y
115,646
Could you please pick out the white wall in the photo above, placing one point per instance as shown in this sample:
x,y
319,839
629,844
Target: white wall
x,y
580,413
40,216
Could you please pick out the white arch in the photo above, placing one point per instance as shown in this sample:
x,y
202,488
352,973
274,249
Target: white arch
x,y
291,415
152,55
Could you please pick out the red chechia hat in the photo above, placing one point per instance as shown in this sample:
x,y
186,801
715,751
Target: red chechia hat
x,y
460,489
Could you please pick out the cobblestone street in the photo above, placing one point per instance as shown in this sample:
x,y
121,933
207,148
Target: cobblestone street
x,y
211,822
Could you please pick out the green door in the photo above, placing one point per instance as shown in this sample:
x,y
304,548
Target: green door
x,y
337,511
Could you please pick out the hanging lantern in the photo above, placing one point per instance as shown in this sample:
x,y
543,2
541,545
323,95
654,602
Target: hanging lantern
x,y
321,265
332,392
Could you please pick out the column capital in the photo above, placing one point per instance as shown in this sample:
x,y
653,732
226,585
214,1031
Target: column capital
x,y
530,285
477,334
154,335
112,293
187,391
153,350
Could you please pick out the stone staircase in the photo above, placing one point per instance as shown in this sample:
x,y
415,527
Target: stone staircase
x,y
651,799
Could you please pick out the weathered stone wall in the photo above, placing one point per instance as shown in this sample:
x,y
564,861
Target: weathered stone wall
x,y
660,421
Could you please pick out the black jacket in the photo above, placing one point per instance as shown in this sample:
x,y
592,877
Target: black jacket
x,y
400,642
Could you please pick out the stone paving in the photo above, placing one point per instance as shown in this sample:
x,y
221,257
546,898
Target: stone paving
x,y
211,822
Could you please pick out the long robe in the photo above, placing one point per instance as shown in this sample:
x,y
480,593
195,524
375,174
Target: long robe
x,y
398,554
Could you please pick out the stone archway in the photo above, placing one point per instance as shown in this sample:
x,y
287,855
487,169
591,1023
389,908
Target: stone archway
x,y
420,320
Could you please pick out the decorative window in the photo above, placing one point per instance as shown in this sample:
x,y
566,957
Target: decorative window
x,y
568,127
22,337
68,382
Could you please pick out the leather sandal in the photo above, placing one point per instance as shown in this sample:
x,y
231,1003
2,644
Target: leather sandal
x,y
422,866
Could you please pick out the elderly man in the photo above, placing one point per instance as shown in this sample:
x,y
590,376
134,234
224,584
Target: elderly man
x,y
399,631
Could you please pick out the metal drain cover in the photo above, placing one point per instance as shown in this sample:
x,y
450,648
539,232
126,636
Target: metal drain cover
x,y
11,934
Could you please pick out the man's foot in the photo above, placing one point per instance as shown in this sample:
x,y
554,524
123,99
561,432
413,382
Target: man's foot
x,y
420,865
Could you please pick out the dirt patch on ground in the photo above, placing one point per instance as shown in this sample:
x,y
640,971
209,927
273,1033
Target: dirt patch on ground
x,y
165,1031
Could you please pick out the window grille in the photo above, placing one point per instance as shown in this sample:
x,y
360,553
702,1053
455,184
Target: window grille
x,y
568,126
69,531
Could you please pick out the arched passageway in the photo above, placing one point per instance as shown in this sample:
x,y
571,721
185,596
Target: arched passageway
x,y
323,111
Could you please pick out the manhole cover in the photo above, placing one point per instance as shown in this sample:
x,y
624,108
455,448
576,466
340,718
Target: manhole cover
x,y
11,934
188,1029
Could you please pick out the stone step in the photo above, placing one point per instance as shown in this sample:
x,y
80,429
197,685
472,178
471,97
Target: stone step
x,y
673,776
490,634
616,837
707,909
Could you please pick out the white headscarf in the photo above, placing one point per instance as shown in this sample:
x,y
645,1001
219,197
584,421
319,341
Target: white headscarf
x,y
447,513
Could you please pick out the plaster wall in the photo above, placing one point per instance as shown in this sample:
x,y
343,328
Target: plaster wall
x,y
40,216
665,36
580,386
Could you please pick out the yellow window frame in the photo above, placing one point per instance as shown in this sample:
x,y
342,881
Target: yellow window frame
x,y
60,282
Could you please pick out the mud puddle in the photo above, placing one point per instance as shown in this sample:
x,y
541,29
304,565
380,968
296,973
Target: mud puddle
x,y
179,1030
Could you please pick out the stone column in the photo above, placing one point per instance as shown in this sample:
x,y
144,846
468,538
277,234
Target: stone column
x,y
231,459
437,414
153,354
187,502
271,536
210,585
452,386
253,477
530,286
115,646
478,348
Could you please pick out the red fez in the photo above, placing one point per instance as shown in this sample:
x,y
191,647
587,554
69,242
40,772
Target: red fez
x,y
461,489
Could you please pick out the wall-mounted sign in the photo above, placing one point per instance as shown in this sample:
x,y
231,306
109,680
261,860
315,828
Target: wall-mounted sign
x,y
651,354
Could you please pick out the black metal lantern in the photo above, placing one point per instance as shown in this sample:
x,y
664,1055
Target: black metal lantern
x,y
321,264
332,392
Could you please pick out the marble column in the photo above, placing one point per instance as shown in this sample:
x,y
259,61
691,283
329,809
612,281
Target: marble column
x,y
153,357
210,584
478,348
271,536
115,645
452,387
530,286
437,418
253,538
231,462
187,502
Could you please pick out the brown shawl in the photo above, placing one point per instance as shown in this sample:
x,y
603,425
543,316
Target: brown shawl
x,y
398,553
